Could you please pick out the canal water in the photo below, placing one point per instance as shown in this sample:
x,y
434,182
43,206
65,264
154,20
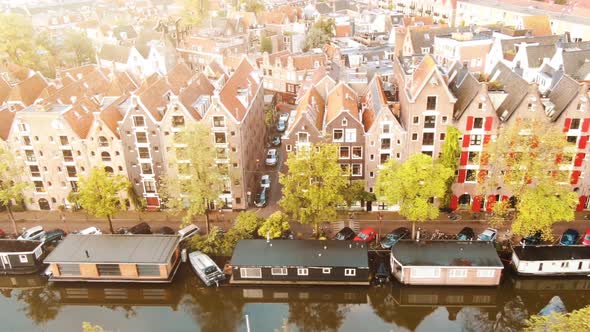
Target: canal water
x,y
30,304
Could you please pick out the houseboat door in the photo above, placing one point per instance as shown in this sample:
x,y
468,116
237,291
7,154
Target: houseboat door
x,y
5,262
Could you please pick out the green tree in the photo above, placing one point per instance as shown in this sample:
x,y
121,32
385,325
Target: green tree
x,y
16,38
255,6
200,181
11,188
355,192
247,222
414,185
210,244
266,45
80,46
88,327
525,160
451,151
312,188
100,193
576,320
320,34
194,11
275,225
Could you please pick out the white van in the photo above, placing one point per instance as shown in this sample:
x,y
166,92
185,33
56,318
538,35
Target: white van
x,y
90,231
188,231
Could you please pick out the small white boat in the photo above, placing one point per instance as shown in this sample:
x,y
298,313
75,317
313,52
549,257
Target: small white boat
x,y
554,305
205,268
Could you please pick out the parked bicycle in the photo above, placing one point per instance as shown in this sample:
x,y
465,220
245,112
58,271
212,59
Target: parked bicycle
x,y
454,216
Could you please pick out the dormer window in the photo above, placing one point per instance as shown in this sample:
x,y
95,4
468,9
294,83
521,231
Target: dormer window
x,y
177,121
344,122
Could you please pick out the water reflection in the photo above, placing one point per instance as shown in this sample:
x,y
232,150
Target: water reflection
x,y
29,301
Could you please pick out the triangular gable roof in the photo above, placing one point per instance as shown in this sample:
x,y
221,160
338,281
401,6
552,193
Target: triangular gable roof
x,y
111,115
563,94
6,119
115,53
422,75
464,86
28,91
306,108
154,98
243,78
80,116
199,86
179,77
341,98
378,101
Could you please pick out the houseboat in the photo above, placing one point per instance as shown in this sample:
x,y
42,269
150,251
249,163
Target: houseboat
x,y
551,260
306,262
446,263
21,257
115,258
205,268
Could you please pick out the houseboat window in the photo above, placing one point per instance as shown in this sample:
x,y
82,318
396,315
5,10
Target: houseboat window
x,y
457,273
326,270
38,252
540,266
278,271
23,258
108,269
485,273
302,272
349,272
148,270
69,269
565,265
580,266
250,272
425,272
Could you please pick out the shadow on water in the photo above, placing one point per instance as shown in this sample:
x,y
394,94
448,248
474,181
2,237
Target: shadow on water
x,y
501,308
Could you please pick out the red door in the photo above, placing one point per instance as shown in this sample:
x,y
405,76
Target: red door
x,y
152,203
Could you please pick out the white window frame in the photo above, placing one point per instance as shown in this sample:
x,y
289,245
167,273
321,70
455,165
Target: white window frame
x,y
416,120
350,272
143,119
412,137
352,152
333,136
350,135
486,273
344,122
301,271
244,272
360,167
279,271
23,258
326,270
457,273
288,148
420,272
213,121
340,152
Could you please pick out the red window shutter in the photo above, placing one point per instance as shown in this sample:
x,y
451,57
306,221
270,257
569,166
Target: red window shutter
x,y
579,159
469,122
486,139
481,176
476,206
575,177
583,141
582,203
462,174
489,122
454,202
465,141
490,203
463,160
567,124
558,158
504,198
585,125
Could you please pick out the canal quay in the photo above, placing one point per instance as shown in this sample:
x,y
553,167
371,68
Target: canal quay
x,y
29,303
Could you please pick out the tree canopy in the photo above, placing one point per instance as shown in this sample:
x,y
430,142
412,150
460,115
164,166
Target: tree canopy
x,y
576,320
80,47
275,225
266,45
100,193
194,11
319,34
451,151
11,188
312,188
199,181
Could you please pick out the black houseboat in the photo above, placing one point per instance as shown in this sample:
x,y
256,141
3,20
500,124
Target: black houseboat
x,y
307,262
20,257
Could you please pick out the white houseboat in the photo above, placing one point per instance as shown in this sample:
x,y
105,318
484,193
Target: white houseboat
x,y
551,260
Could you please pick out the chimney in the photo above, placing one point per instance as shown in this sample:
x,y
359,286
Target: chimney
x,y
87,254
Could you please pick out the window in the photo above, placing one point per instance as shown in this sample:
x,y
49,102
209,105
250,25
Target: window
x,y
416,120
350,135
385,143
425,272
429,121
371,174
385,128
23,258
74,185
35,171
344,152
414,136
146,168
177,121
473,157
108,269
144,153
30,155
372,157
470,175
144,270
565,265
250,272
486,273
572,139
442,136
428,139
338,135
69,269
431,103
383,158
105,156
149,186
357,170
103,142
530,107
220,138
109,169
344,122
138,121
478,123
221,153
326,270
457,273
357,152
575,124
219,121
63,140
71,171
288,148
26,140
302,271
349,272
141,137
475,140
279,271
302,137
444,119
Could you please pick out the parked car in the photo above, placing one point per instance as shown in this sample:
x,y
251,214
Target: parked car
x,y
165,230
489,234
532,240
90,231
345,234
391,239
141,228
33,233
282,123
2,234
466,234
276,141
54,236
188,231
366,235
261,198
271,157
586,240
284,117
265,181
569,237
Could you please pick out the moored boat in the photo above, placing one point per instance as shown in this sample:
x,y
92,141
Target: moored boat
x,y
205,268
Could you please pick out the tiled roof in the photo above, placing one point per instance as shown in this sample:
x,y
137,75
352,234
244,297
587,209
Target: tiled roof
x,y
28,90
378,101
86,85
111,115
216,68
562,95
4,90
514,85
179,76
315,112
424,70
80,116
536,54
124,32
199,86
154,98
342,97
243,78
464,86
412,20
115,53
539,25
6,118
573,60
508,45
120,85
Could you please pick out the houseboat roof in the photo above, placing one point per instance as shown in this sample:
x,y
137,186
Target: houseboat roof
x,y
110,248
552,253
13,246
446,253
313,253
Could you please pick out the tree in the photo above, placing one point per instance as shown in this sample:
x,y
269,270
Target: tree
x,y
88,327
275,225
194,11
451,151
320,34
525,160
11,189
210,244
414,185
576,320
200,181
355,192
78,44
247,223
266,45
255,6
312,188
100,193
